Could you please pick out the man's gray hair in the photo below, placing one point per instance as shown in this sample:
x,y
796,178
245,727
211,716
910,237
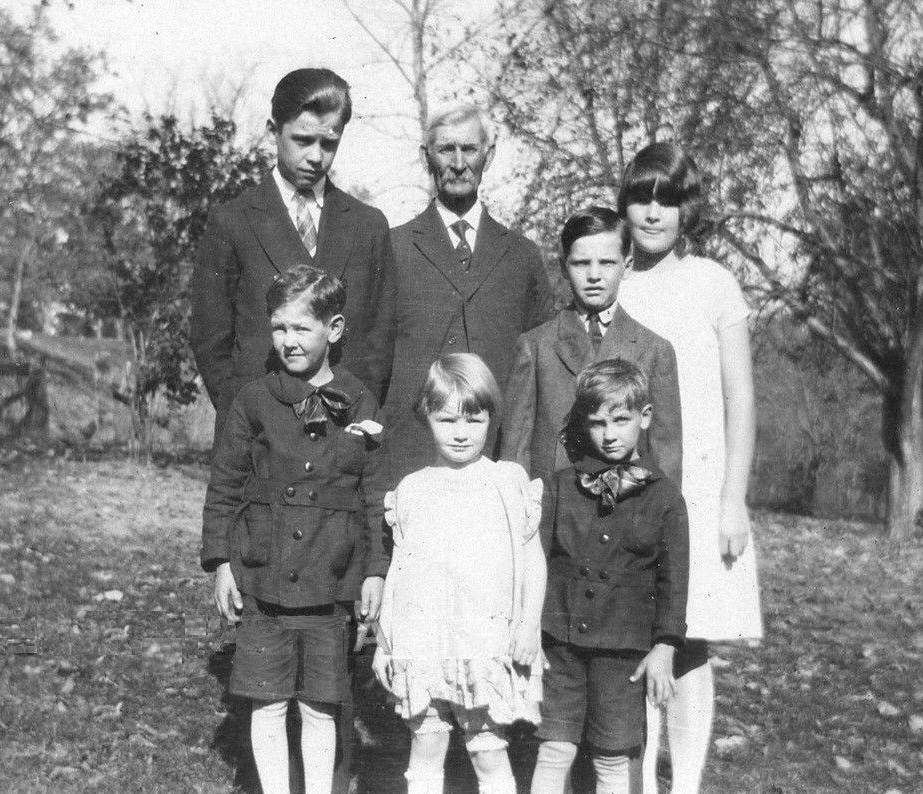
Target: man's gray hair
x,y
454,114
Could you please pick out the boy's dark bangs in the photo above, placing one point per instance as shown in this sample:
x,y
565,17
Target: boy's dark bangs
x,y
651,184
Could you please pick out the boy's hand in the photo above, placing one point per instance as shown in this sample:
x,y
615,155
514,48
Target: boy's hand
x,y
381,666
733,529
227,596
370,605
524,646
658,667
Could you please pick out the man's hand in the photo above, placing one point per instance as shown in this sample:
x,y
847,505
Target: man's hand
x,y
370,605
227,596
733,529
658,667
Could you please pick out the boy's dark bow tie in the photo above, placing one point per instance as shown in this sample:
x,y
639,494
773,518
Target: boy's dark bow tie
x,y
324,401
615,483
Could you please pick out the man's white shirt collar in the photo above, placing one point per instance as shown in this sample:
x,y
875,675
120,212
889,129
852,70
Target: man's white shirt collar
x,y
472,216
288,191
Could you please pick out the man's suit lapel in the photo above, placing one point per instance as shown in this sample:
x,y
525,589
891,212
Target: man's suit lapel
x,y
573,345
621,337
273,227
337,232
492,242
430,237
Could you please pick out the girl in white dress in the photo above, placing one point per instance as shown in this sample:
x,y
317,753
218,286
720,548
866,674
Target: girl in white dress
x,y
696,305
461,613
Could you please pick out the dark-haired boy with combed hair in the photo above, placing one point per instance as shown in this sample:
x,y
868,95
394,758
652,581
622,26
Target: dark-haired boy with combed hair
x,y
615,533
292,528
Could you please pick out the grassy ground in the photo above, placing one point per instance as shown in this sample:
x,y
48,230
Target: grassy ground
x,y
112,668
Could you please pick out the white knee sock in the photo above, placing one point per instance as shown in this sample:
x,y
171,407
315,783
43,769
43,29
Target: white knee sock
x,y
652,748
689,721
270,745
318,749
612,774
499,780
552,767
423,782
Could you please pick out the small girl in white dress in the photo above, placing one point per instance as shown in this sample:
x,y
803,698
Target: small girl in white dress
x,y
697,306
461,614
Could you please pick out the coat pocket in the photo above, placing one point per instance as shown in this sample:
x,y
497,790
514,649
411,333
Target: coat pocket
x,y
256,535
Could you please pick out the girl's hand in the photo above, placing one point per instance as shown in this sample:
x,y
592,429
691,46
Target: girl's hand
x,y
381,666
370,605
524,646
733,529
227,596
658,667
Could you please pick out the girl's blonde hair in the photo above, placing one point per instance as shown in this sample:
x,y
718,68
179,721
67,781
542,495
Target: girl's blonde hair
x,y
458,376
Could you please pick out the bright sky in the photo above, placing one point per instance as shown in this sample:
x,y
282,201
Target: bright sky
x,y
182,55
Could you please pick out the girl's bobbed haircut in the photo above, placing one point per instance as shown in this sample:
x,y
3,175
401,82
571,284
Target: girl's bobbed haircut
x,y
458,376
665,172
614,378
324,295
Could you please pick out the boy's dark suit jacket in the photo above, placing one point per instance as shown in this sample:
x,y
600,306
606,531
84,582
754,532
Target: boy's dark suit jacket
x,y
542,387
246,244
441,308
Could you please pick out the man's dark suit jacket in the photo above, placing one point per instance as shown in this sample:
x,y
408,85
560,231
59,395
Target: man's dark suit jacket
x,y
246,244
441,308
543,384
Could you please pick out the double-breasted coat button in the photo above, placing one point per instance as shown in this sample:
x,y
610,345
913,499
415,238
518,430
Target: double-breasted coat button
x,y
308,466
604,537
293,576
298,534
590,593
583,628
312,495
584,570
312,435
451,340
604,575
290,491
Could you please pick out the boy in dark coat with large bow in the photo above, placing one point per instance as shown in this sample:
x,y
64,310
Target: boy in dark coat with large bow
x,y
292,527
615,532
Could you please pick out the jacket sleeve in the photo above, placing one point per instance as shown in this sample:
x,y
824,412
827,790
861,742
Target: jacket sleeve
x,y
231,466
666,432
672,575
373,486
375,363
214,282
519,406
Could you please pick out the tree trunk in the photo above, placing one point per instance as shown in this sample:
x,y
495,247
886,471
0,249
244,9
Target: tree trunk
x,y
16,296
903,432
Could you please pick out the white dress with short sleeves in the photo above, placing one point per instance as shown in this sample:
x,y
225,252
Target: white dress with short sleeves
x,y
687,301
451,595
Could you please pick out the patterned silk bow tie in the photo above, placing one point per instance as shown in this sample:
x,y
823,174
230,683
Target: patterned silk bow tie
x,y
614,484
324,401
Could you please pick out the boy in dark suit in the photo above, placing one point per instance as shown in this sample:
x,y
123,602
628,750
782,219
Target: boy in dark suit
x,y
292,528
615,532
294,215
547,359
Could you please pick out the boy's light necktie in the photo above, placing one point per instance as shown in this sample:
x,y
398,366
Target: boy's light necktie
x,y
595,329
306,229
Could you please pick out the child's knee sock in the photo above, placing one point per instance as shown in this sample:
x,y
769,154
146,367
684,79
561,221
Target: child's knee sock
x,y
270,746
427,782
617,774
689,720
652,748
552,767
498,779
318,749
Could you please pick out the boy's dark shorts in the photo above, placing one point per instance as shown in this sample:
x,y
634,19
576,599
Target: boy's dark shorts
x,y
690,656
587,693
292,653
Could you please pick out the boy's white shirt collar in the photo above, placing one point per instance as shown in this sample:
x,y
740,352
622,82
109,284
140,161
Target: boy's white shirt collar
x,y
605,316
288,191
472,216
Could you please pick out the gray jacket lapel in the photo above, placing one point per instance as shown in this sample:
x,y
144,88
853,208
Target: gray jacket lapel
x,y
573,345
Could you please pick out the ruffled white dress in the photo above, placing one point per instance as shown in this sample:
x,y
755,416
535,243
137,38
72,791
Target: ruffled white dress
x,y
688,301
452,591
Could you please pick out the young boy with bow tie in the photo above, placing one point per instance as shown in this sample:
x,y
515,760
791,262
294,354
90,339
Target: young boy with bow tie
x,y
292,528
615,532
